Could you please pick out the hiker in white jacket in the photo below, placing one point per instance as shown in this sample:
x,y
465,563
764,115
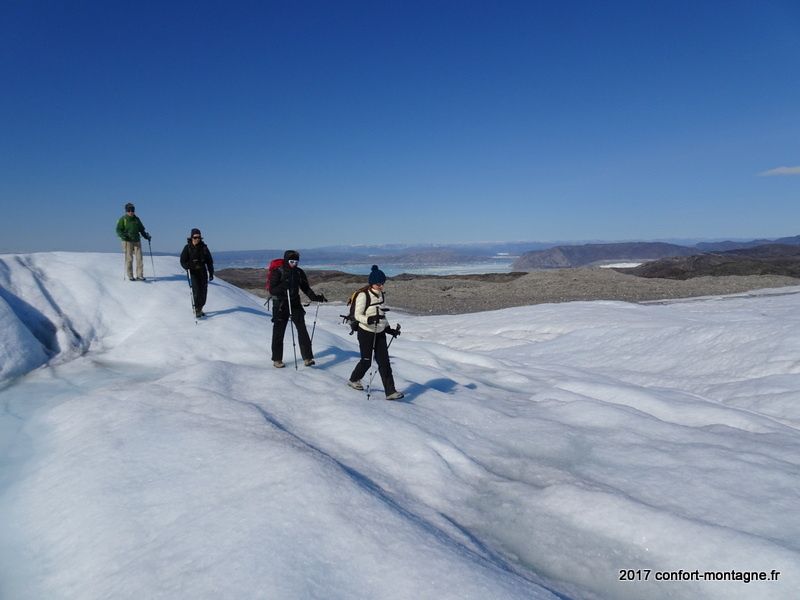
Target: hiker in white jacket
x,y
372,331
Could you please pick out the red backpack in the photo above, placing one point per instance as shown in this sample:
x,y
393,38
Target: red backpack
x,y
274,265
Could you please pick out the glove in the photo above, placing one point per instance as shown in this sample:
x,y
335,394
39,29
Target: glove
x,y
320,298
211,277
146,236
374,319
392,332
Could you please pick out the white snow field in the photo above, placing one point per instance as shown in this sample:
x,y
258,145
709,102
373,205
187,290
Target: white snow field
x,y
576,451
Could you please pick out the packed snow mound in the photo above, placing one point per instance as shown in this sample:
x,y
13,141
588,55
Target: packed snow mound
x,y
72,304
581,450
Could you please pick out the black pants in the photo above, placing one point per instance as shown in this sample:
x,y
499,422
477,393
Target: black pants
x,y
199,287
279,328
366,341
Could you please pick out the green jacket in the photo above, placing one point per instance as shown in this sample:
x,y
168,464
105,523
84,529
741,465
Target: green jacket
x,y
129,228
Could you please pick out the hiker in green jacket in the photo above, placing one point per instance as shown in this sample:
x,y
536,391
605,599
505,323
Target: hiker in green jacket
x,y
129,228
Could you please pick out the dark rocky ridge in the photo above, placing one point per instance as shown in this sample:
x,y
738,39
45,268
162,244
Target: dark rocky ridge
x,y
770,259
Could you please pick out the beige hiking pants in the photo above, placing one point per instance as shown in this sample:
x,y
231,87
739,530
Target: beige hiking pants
x,y
130,249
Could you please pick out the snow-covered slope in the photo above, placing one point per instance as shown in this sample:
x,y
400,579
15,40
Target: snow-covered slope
x,y
541,450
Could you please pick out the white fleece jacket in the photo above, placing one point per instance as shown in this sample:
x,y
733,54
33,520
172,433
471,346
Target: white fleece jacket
x,y
363,312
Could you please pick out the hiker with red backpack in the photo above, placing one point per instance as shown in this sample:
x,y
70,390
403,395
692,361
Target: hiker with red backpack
x,y
284,285
372,331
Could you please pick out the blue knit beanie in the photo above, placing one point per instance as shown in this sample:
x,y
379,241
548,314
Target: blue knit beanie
x,y
377,276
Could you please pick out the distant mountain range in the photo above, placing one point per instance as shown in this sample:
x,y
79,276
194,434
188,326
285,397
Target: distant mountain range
x,y
724,246
594,254
588,254
526,256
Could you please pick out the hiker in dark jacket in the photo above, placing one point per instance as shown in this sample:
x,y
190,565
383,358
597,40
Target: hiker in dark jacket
x,y
129,230
196,258
285,285
373,328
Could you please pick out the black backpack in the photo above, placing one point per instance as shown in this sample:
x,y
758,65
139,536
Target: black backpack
x,y
350,317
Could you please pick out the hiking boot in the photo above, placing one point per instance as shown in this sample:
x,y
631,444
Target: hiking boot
x,y
395,396
131,278
278,364
198,314
141,279
309,361
356,385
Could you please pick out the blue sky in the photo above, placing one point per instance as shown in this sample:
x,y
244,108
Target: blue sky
x,y
303,124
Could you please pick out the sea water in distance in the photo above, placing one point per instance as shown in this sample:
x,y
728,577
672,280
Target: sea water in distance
x,y
499,264
392,269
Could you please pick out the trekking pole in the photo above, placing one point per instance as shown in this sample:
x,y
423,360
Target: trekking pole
x,y
315,323
397,329
191,295
291,324
128,250
152,262
374,360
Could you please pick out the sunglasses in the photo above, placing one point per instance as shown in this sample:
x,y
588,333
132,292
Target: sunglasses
x,y
196,237
291,261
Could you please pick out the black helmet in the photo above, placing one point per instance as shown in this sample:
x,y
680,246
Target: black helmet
x,y
130,207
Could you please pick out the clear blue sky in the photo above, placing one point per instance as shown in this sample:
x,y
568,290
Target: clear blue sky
x,y
306,123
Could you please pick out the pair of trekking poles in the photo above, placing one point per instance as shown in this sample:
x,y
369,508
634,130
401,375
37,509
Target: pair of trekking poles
x,y
373,369
291,325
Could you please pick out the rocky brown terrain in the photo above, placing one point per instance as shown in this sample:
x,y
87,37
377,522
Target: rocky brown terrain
x,y
456,294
